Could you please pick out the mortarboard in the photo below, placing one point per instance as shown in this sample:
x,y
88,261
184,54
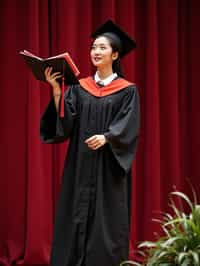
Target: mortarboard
x,y
127,43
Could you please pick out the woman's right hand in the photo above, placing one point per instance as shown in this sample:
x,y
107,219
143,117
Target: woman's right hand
x,y
51,79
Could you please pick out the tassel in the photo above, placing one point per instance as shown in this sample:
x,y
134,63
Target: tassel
x,y
62,98
62,111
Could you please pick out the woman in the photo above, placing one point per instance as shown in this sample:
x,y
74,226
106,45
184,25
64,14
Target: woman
x,y
102,122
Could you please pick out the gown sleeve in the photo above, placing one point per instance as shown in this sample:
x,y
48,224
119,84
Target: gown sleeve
x,y
122,134
53,128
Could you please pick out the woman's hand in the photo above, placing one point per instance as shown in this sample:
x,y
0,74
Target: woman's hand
x,y
51,79
96,141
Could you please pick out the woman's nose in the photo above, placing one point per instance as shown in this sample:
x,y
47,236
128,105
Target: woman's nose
x,y
97,51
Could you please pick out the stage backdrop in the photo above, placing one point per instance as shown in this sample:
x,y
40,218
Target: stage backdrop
x,y
165,66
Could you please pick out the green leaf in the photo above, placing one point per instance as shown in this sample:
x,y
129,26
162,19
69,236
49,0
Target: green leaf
x,y
175,221
164,254
196,215
180,243
194,195
167,232
168,216
175,209
186,262
166,264
128,262
183,196
182,256
147,244
171,240
195,256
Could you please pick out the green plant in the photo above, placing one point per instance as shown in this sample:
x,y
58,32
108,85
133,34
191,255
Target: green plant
x,y
180,244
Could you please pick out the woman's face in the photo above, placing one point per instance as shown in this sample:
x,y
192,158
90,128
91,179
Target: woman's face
x,y
101,53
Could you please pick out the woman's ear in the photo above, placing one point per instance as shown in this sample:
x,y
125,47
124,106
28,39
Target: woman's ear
x,y
115,55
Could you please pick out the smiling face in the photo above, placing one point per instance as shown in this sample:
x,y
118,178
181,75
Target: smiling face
x,y
101,53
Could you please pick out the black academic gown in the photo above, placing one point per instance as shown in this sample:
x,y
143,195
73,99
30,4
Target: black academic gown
x,y
91,223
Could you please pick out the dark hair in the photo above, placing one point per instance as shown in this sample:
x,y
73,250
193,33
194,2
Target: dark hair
x,y
116,46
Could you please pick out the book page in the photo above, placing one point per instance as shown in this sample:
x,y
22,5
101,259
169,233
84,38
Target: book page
x,y
25,52
58,56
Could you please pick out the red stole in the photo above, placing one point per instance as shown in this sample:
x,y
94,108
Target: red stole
x,y
90,85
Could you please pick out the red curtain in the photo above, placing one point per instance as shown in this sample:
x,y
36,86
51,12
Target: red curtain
x,y
165,67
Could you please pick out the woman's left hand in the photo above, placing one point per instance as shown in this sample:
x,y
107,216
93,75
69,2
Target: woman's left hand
x,y
95,142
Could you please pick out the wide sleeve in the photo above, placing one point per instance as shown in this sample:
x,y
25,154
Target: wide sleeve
x,y
122,134
53,128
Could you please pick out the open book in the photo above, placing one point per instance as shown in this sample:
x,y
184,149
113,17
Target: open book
x,y
61,63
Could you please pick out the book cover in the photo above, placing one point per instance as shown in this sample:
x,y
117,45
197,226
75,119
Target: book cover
x,y
62,63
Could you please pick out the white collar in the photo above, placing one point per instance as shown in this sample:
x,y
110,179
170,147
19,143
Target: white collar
x,y
105,81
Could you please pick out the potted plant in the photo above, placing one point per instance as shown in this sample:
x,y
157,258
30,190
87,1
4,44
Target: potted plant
x,y
180,243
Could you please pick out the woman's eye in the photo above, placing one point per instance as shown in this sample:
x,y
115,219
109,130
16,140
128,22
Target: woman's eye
x,y
100,47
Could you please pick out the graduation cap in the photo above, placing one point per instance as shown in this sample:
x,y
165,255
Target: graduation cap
x,y
127,43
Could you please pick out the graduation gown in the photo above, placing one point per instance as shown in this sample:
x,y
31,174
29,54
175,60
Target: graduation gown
x,y
92,223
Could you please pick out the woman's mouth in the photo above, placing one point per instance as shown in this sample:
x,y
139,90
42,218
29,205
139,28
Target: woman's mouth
x,y
97,59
